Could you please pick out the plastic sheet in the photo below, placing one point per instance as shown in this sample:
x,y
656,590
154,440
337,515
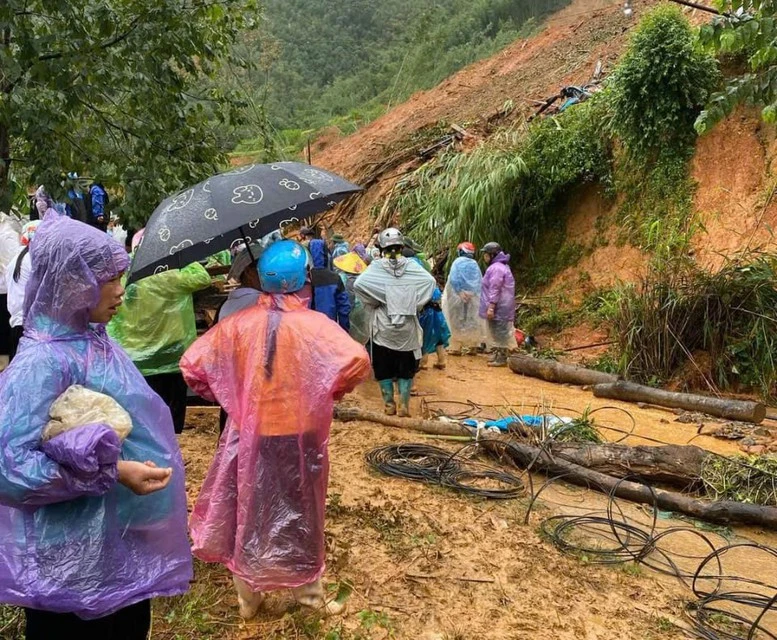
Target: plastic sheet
x,y
461,302
156,323
261,509
91,546
79,406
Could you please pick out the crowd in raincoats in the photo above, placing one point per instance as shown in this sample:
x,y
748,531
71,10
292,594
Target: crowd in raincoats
x,y
82,536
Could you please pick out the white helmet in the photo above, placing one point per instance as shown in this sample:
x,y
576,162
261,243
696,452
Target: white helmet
x,y
391,237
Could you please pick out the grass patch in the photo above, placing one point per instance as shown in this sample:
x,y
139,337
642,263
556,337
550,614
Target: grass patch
x,y
11,622
511,187
582,429
728,315
749,479
206,611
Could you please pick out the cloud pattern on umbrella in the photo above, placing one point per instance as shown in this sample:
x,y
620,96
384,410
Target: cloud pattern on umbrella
x,y
225,210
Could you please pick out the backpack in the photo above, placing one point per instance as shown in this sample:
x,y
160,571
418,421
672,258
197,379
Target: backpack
x,y
77,208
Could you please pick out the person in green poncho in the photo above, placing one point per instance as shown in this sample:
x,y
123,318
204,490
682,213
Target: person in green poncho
x,y
156,325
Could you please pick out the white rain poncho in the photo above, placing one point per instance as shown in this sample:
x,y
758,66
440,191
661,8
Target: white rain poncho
x,y
10,243
460,301
393,291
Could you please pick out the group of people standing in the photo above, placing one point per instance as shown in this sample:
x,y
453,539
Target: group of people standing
x,y
481,307
96,525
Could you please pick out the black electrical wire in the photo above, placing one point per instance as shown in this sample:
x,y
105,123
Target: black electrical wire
x,y
412,461
729,606
434,465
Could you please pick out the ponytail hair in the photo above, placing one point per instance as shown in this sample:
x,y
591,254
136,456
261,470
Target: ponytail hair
x,y
17,270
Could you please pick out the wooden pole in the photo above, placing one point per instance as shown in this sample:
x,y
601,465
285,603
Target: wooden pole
x,y
723,511
553,371
741,410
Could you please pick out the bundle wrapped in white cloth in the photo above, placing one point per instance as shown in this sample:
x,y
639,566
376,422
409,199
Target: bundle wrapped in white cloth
x,y
79,406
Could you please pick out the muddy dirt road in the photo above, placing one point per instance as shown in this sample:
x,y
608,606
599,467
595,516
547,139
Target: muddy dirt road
x,y
428,563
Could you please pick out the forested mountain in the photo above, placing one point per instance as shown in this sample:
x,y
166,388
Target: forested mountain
x,y
346,60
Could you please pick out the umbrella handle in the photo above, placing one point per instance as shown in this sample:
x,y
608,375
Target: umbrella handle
x,y
247,244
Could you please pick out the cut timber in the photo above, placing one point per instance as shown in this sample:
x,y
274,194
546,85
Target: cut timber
x,y
722,511
550,462
434,427
742,410
674,465
553,371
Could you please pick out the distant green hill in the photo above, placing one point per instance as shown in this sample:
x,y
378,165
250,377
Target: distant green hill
x,y
344,61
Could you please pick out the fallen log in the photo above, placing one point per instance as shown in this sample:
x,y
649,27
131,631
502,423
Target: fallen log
x,y
673,465
742,410
435,427
677,466
550,462
721,511
553,371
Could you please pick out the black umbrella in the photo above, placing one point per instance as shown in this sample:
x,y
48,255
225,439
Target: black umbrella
x,y
241,205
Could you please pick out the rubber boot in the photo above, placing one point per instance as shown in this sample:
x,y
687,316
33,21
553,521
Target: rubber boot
x,y
500,358
441,360
387,391
311,596
405,385
248,600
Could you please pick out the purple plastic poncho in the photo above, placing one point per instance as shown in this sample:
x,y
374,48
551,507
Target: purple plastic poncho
x,y
498,288
72,538
277,368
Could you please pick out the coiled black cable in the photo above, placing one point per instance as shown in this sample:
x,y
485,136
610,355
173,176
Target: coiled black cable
x,y
730,605
431,464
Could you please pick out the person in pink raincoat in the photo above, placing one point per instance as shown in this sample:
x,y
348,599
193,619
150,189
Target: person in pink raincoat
x,y
277,369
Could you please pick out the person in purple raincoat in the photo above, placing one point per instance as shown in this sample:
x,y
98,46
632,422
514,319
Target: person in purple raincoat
x,y
91,527
497,302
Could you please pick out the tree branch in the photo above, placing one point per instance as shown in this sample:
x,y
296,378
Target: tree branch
x,y
101,47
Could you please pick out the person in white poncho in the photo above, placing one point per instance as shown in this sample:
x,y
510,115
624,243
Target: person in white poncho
x,y
393,290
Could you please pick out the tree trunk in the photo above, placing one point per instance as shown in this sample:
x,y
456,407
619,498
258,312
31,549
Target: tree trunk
x,y
435,427
741,410
557,372
723,511
618,459
673,465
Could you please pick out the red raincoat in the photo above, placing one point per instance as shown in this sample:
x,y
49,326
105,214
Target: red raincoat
x,y
277,368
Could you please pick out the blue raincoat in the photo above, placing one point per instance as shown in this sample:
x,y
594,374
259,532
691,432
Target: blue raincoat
x,y
436,331
329,294
73,539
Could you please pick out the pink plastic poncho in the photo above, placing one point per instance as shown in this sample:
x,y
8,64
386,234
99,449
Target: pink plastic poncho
x,y
277,369
72,538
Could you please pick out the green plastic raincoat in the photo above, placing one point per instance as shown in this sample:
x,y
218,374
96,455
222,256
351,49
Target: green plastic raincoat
x,y
156,324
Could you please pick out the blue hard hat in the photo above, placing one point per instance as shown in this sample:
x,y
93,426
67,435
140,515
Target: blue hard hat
x,y
283,267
